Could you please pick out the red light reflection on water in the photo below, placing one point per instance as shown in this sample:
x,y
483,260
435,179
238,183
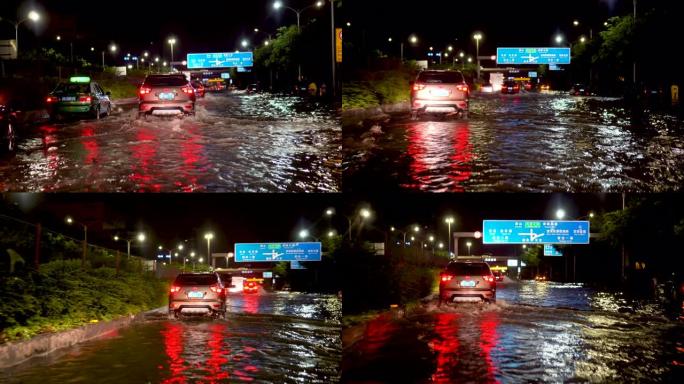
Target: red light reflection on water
x,y
454,351
173,344
146,170
431,145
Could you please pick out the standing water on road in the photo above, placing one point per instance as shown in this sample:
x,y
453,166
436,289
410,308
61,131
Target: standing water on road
x,y
266,338
235,143
526,142
536,332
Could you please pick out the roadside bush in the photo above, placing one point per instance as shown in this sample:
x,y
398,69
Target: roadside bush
x,y
358,95
63,295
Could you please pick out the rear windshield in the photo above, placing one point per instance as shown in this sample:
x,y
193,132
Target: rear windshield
x,y
165,81
225,278
73,88
196,279
467,269
440,77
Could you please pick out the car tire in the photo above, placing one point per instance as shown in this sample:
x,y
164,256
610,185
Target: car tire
x,y
97,112
109,110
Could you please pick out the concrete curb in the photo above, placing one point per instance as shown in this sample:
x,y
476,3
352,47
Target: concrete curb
x,y
12,354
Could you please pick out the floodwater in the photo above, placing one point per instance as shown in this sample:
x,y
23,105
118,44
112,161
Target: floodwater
x,y
536,332
266,338
527,142
235,143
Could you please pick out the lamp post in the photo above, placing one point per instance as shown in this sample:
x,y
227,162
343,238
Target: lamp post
x,y
32,15
70,221
413,39
279,4
449,220
208,236
469,244
171,42
140,237
477,36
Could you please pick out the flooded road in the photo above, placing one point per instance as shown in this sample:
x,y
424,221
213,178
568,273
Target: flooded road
x,y
526,142
235,143
536,332
266,338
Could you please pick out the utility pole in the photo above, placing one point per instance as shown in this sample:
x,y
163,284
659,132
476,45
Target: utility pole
x,y
36,255
333,57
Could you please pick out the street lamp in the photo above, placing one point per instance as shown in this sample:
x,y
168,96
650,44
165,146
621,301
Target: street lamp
x,y
559,39
244,43
303,234
32,15
70,221
208,236
140,237
279,4
469,244
477,36
575,23
365,213
449,220
171,42
560,214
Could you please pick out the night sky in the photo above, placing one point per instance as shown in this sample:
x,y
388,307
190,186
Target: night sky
x,y
146,24
503,23
171,218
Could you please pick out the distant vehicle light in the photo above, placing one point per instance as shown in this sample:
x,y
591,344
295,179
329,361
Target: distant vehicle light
x,y
79,79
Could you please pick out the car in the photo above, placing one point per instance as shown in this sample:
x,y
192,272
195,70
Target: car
x,y
216,85
8,126
197,293
250,286
541,278
487,88
510,87
439,91
199,88
580,90
80,95
467,281
498,275
166,95
253,88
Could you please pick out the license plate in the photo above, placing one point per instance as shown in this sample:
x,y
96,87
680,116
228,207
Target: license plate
x,y
195,295
467,283
440,92
68,98
581,90
510,89
166,96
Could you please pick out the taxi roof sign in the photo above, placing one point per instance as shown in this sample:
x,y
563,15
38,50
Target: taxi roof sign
x,y
79,79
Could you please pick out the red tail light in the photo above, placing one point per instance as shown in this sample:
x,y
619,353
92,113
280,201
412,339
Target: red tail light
x,y
174,289
188,90
462,87
145,90
445,278
50,99
418,87
85,99
489,278
215,288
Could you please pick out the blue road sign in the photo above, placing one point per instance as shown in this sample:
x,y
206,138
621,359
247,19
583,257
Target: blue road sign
x,y
243,69
267,275
272,252
533,56
535,232
532,74
220,60
550,250
225,75
296,265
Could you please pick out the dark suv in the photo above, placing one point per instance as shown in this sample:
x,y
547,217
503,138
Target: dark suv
x,y
166,95
467,281
197,293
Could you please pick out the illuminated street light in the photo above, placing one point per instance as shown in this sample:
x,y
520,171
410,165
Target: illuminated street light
x,y
348,24
171,42
208,236
450,48
591,215
575,22
431,238
160,247
440,245
201,260
389,39
192,254
461,54
559,39
470,59
303,234
583,39
59,38
560,214
92,49
365,213
331,233
392,229
413,39
469,244
477,234
32,15
449,220
244,43
113,48
477,36
180,247
329,212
